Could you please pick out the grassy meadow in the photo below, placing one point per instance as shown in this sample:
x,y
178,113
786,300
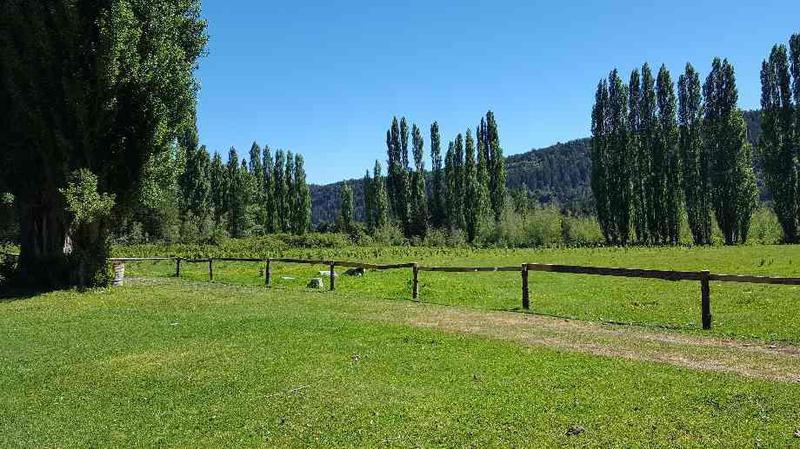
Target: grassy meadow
x,y
191,364
763,312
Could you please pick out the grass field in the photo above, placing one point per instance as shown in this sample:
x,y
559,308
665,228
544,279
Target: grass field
x,y
182,363
762,312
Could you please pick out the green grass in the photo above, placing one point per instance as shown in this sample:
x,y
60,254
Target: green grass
x,y
197,365
740,310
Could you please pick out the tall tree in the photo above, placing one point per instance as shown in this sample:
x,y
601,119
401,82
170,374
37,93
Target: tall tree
x,y
451,199
619,152
281,193
649,161
346,209
733,189
369,201
219,189
601,161
290,199
397,182
302,207
195,182
497,166
237,195
641,160
779,144
438,189
483,159
88,87
380,200
670,179
693,157
419,198
475,198
268,194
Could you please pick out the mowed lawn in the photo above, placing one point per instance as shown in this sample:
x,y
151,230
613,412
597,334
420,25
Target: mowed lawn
x,y
183,363
764,312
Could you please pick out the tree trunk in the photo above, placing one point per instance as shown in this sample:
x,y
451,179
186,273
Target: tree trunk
x,y
54,256
43,232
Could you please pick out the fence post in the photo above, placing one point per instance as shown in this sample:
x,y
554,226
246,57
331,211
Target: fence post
x,y
526,304
333,277
210,269
415,282
705,291
177,267
268,274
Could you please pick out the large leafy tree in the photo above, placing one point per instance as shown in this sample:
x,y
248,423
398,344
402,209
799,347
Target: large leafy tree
x,y
733,187
219,189
269,191
694,160
779,139
301,222
280,209
100,86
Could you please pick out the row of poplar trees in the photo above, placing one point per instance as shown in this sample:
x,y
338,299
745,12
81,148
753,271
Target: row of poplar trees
x,y
255,196
655,153
780,139
467,189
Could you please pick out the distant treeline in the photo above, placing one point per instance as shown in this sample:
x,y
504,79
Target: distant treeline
x,y
464,191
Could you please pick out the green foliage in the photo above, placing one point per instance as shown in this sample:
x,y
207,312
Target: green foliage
x,y
780,139
731,169
695,163
438,188
418,220
301,222
668,208
346,209
84,202
105,86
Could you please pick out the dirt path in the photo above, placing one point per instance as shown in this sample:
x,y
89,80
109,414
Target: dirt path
x,y
771,362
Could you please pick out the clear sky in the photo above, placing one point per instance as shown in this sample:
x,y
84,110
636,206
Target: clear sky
x,y
325,78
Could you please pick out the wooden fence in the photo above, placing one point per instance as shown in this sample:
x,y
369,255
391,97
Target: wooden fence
x,y
704,277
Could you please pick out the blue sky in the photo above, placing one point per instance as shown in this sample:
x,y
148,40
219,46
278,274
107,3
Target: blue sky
x,y
325,78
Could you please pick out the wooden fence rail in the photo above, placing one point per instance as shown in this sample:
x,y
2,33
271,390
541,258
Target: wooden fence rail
x,y
704,277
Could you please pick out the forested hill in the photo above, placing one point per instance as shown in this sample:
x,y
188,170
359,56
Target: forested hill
x,y
558,174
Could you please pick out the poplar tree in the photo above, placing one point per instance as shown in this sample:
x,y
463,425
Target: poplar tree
x,y
670,178
649,163
397,150
280,192
619,152
219,189
302,207
452,190
475,194
733,188
497,166
458,182
236,193
438,189
290,199
256,169
419,199
380,200
369,201
640,162
346,209
269,191
601,161
694,160
483,159
195,183
779,143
